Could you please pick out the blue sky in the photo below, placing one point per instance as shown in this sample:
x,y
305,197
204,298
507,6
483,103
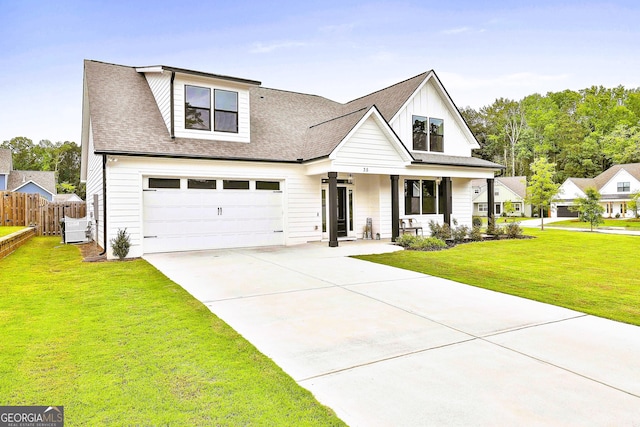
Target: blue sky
x,y
338,49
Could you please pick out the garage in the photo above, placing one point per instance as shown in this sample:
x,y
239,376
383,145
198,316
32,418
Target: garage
x,y
564,212
184,214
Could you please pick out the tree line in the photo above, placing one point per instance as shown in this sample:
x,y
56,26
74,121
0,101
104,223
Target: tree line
x,y
582,132
63,158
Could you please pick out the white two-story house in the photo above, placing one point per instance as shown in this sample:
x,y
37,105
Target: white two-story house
x,y
188,160
615,185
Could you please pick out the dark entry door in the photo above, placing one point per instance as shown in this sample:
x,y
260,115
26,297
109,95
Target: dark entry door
x,y
342,211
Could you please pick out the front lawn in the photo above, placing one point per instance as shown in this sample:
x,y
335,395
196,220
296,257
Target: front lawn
x,y
629,224
589,272
117,343
5,230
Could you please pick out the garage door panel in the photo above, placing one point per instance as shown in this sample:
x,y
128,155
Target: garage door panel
x,y
188,219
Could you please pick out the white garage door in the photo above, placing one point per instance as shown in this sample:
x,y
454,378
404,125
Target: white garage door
x,y
183,219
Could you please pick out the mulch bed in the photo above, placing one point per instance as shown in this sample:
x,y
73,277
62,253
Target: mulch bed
x,y
91,252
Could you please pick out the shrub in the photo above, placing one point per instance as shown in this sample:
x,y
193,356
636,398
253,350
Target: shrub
x,y
428,244
513,230
477,221
476,233
491,228
121,244
459,233
442,232
406,240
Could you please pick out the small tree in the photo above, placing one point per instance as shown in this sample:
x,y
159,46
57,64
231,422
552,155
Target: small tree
x,y
541,189
589,208
121,244
634,202
508,208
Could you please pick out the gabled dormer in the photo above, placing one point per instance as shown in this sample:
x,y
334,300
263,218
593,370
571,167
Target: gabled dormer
x,y
429,122
201,105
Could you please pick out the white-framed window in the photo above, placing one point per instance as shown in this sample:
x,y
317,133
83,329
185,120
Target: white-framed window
x,y
482,207
624,187
197,109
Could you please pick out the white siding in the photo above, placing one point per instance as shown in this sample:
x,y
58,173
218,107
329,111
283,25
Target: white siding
x,y
368,147
428,102
302,204
568,190
160,84
611,187
243,109
461,195
94,186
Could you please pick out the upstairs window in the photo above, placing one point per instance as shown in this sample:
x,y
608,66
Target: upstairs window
x,y
197,108
226,111
428,134
624,187
436,135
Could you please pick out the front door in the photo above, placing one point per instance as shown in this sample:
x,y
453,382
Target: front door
x,y
345,211
343,215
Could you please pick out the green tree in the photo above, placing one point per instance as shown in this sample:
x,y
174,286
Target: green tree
x,y
23,153
541,188
509,210
589,208
634,203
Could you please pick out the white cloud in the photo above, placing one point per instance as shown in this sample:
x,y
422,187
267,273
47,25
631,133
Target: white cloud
x,y
458,30
267,48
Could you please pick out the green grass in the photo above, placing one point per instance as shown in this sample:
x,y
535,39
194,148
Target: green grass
x,y
117,343
629,224
589,272
8,229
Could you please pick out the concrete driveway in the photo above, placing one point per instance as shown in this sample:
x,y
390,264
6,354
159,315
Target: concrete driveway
x,y
389,347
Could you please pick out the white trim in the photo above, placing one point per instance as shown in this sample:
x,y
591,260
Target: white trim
x,y
154,69
35,183
389,133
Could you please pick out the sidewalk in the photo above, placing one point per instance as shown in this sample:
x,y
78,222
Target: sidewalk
x,y
535,223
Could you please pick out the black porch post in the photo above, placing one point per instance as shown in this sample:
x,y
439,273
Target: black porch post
x,y
395,209
448,199
490,203
333,209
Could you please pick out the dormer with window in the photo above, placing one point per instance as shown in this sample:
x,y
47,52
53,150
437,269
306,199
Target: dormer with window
x,y
201,105
428,134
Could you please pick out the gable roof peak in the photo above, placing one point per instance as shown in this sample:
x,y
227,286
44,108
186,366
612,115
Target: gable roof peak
x,y
421,77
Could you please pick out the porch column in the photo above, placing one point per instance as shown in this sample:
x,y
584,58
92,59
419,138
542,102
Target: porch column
x,y
333,209
395,208
490,203
448,199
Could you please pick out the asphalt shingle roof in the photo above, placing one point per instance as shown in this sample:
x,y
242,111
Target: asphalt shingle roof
x,y
45,179
285,126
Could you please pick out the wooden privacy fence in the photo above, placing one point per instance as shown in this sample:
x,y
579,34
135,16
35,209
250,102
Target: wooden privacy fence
x,y
34,210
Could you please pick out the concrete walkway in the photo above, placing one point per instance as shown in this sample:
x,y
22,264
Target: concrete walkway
x,y
390,347
548,224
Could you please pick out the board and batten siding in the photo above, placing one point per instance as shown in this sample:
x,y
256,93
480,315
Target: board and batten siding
x,y
243,134
94,186
301,193
461,192
369,147
428,102
160,85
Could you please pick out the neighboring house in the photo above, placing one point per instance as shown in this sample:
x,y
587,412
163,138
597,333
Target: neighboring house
x,y
39,182
512,188
192,160
615,186
63,198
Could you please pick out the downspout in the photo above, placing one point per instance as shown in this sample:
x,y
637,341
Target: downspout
x,y
104,204
173,133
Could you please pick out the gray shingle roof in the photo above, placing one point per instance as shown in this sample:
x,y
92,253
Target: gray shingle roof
x,y
442,159
6,163
45,179
285,126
